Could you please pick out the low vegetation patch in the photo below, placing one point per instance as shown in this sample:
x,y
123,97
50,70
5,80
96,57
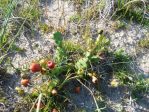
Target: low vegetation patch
x,y
133,10
46,83
144,42
16,17
73,62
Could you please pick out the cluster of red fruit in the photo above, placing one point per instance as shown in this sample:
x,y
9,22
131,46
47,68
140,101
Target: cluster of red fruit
x,y
36,67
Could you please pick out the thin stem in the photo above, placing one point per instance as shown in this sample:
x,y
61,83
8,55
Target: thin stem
x,y
39,102
97,107
34,104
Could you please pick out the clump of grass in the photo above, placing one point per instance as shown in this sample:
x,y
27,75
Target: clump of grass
x,y
141,86
132,10
125,77
121,58
72,46
16,16
75,18
45,28
92,12
144,43
3,4
31,11
121,69
117,25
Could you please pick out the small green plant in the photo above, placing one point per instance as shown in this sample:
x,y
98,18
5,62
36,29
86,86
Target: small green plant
x,y
31,11
45,28
121,69
71,45
121,59
140,87
125,77
132,10
144,43
117,25
75,18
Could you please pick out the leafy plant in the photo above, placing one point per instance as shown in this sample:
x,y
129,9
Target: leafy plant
x,y
61,70
141,86
60,53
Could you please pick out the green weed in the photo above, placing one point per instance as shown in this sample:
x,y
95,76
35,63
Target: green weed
x,y
75,18
15,18
144,43
132,10
141,86
45,28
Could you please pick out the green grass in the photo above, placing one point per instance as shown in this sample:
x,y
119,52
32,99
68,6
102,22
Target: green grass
x,y
132,10
45,28
72,46
75,18
144,43
15,18
140,87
